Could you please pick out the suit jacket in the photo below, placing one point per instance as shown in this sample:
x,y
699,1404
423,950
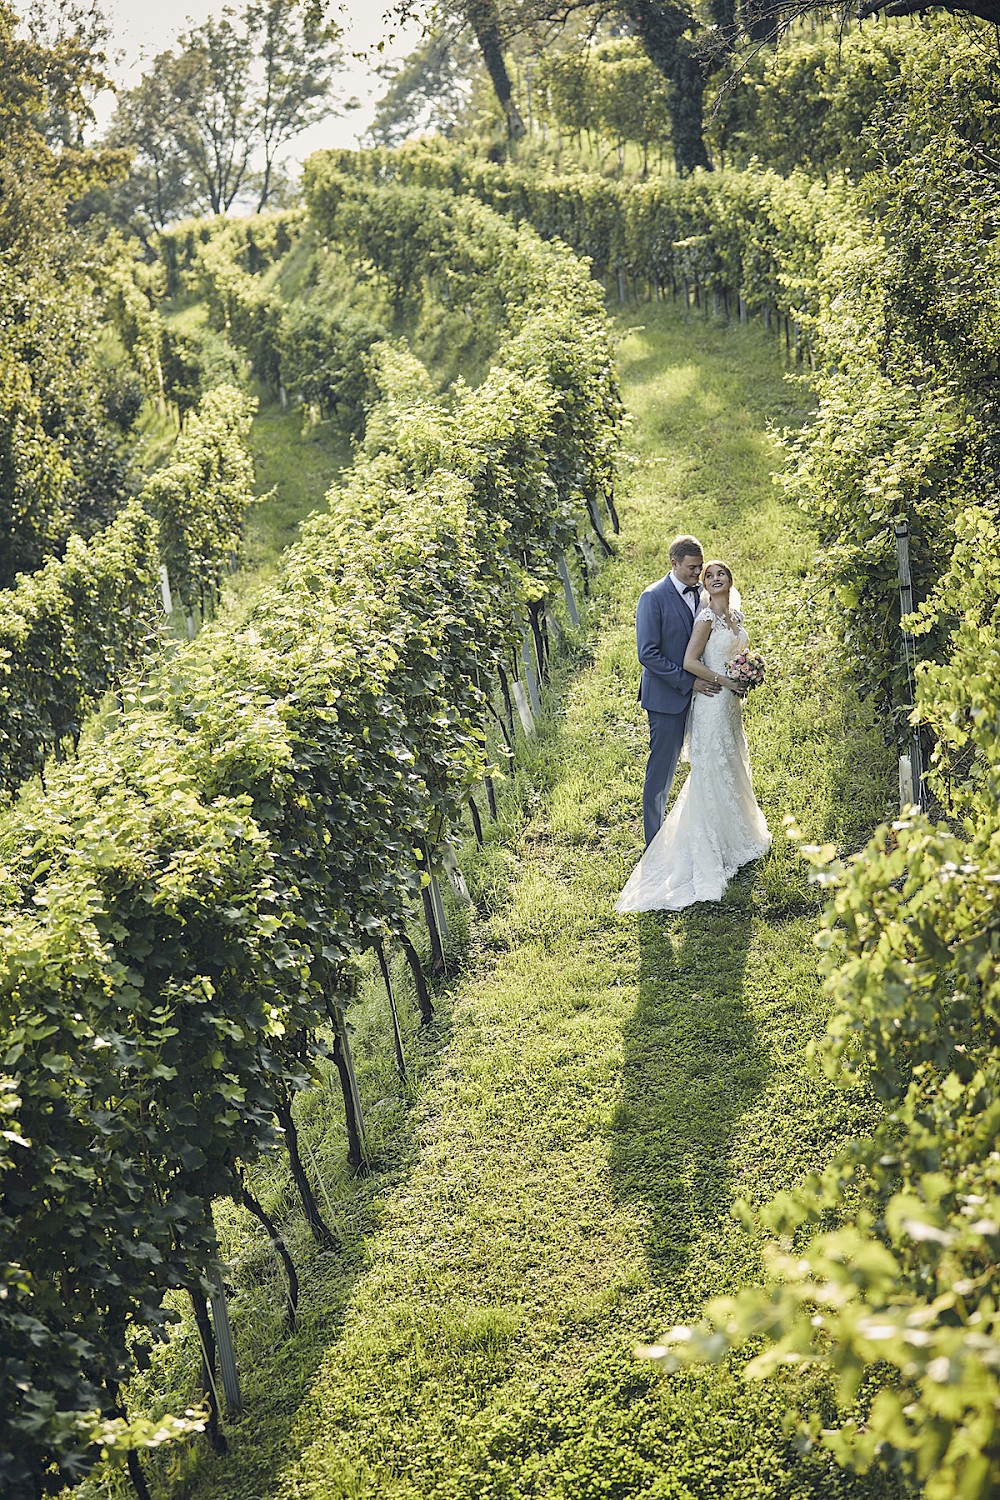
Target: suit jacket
x,y
663,625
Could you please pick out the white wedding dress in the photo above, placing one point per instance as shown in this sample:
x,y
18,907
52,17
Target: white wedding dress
x,y
715,826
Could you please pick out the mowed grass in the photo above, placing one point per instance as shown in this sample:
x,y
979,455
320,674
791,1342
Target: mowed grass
x,y
296,463
554,1185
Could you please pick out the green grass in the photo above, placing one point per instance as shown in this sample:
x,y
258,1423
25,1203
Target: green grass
x,y
296,465
554,1184
296,462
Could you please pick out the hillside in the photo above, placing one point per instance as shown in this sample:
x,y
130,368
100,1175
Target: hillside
x,y
555,1185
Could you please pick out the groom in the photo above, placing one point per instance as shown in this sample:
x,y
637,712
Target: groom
x,y
664,619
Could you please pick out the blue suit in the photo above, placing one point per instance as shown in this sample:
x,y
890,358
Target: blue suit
x,y
663,625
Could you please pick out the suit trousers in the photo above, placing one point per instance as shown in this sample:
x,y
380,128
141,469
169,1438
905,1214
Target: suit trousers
x,y
666,736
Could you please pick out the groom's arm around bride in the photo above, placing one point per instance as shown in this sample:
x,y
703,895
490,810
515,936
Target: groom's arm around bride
x,y
664,620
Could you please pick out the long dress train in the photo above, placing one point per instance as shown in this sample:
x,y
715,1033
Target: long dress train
x,y
715,826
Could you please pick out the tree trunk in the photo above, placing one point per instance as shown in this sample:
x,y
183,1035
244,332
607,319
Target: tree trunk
x,y
660,28
348,1087
723,16
243,1195
136,1475
132,1463
320,1229
437,947
416,969
213,1430
760,21
484,19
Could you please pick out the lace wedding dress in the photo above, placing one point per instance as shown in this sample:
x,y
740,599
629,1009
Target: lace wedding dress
x,y
715,826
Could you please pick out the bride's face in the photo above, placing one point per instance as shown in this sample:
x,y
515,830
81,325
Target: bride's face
x,y
717,580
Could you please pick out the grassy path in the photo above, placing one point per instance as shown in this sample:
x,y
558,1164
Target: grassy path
x,y
558,1186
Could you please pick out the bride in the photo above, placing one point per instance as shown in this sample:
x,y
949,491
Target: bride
x,y
715,826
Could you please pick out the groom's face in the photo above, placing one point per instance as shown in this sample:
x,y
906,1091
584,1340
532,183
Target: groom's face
x,y
688,569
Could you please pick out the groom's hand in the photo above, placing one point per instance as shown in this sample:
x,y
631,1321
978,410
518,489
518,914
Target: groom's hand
x,y
711,688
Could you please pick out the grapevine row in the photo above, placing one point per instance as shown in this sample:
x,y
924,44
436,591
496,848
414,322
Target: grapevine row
x,y
752,241
68,634
85,622
187,906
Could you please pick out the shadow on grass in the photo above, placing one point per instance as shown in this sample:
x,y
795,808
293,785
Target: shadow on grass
x,y
679,344
278,1367
692,1066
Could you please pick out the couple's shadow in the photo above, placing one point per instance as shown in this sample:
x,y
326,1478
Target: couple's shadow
x,y
692,1066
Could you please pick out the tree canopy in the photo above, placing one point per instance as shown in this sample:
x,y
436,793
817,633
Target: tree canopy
x,y
210,119
686,40
63,455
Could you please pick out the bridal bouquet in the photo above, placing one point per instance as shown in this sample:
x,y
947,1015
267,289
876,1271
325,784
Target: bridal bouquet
x,y
747,668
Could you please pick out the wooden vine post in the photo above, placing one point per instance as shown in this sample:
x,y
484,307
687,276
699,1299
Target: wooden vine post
x,y
224,1343
397,1039
574,613
357,1142
911,770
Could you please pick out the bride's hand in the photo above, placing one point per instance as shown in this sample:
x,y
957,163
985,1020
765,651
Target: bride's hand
x,y
721,681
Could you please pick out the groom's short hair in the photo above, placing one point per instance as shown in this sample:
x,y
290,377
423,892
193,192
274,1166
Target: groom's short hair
x,y
685,546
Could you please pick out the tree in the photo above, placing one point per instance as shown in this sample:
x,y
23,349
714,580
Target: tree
x,y
40,170
483,18
212,85
209,120
78,31
159,187
684,40
63,462
673,35
665,31
430,91
986,10
299,56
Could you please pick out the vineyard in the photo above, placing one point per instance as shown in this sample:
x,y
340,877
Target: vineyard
x,y
351,1145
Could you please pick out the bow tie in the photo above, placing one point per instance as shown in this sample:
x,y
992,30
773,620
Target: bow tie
x,y
690,589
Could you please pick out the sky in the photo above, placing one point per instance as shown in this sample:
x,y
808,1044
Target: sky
x,y
142,28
